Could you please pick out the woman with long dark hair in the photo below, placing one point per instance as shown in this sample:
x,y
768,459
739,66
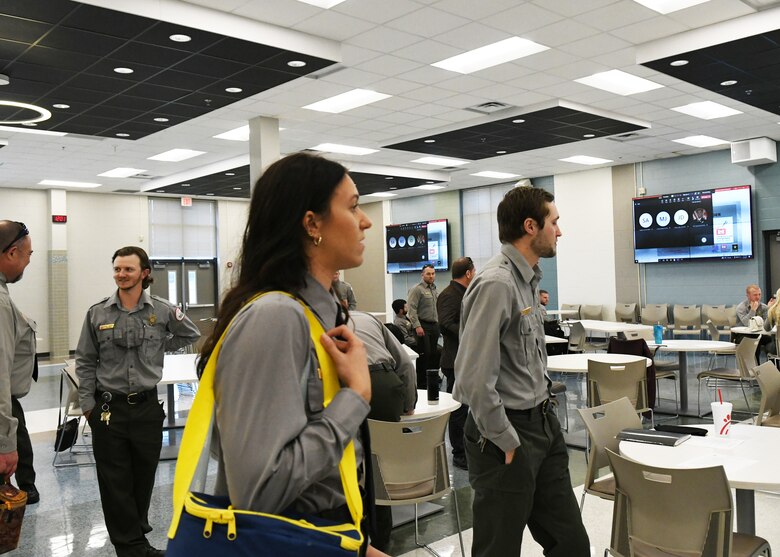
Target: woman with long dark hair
x,y
280,448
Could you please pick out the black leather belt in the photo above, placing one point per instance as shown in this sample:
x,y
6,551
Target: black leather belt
x,y
539,409
132,398
380,367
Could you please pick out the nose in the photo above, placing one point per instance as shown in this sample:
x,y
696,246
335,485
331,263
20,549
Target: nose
x,y
365,222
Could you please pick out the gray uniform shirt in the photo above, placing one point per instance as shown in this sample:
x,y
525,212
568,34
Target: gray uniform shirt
x,y
344,291
122,350
744,313
403,323
422,303
17,358
502,361
280,448
383,348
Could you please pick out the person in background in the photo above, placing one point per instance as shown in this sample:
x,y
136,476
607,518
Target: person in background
x,y
119,362
393,392
304,224
772,320
401,320
517,457
422,313
448,309
752,306
344,293
18,362
544,299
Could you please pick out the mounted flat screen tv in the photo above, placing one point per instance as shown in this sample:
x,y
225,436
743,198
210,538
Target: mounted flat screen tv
x,y
694,225
414,244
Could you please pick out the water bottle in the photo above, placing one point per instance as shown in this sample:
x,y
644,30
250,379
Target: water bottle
x,y
432,377
658,333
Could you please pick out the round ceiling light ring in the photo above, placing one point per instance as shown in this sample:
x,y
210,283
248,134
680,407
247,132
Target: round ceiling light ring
x,y
44,114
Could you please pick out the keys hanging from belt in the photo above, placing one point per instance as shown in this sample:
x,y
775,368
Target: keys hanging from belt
x,y
105,415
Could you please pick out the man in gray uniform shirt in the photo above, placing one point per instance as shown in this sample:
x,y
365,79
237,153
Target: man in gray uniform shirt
x,y
17,361
344,292
119,361
517,459
421,301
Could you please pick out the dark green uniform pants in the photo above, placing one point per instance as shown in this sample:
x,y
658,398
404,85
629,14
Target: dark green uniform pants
x,y
534,490
25,473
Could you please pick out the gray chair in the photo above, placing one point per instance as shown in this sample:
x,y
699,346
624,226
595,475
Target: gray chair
x,y
664,370
609,382
768,378
687,321
578,341
717,334
626,313
69,401
675,513
740,376
603,423
731,316
655,313
591,312
575,307
717,314
410,466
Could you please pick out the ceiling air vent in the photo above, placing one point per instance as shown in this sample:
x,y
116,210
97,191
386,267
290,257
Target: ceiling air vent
x,y
488,107
142,176
625,137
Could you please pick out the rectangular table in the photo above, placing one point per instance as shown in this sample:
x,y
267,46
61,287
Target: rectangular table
x,y
177,368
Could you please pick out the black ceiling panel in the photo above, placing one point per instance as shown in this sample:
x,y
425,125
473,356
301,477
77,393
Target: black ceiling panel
x,y
754,62
60,51
542,128
235,183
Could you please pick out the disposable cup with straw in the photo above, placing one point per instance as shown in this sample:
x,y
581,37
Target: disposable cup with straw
x,y
721,415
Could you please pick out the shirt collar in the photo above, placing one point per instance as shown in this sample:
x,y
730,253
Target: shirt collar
x,y
426,285
322,302
113,300
531,275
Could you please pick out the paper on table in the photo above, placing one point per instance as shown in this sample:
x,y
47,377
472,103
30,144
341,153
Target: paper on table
x,y
715,442
731,464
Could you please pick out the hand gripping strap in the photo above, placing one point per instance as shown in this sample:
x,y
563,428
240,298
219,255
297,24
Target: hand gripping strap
x,y
199,423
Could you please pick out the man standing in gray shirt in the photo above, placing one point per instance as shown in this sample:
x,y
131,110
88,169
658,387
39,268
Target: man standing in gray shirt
x,y
344,292
119,361
421,301
517,458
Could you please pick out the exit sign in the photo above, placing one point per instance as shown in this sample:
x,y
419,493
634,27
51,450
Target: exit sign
x,y
59,218
186,202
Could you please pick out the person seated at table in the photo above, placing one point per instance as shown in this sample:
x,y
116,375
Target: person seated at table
x,y
402,321
552,326
393,391
754,307
771,321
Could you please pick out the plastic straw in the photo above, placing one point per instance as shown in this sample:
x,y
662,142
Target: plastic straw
x,y
720,397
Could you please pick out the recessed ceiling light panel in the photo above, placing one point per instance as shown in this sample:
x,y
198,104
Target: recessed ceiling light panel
x,y
700,141
584,159
233,89
296,63
347,101
619,82
122,172
429,187
344,149
491,55
26,130
176,155
123,70
236,134
381,194
707,110
68,184
43,114
324,4
669,6
180,38
440,161
495,175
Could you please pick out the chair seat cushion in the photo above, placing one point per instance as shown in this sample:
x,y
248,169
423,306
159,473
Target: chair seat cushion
x,y
642,549
666,366
665,374
773,421
604,486
721,373
410,490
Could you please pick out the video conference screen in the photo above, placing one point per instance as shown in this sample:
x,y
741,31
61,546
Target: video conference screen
x,y
704,224
412,245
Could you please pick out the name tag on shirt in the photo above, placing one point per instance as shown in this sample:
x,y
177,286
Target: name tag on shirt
x,y
106,326
526,311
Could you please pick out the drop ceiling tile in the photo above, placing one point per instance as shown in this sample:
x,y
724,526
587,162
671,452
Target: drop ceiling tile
x,y
521,19
334,26
384,40
428,22
381,12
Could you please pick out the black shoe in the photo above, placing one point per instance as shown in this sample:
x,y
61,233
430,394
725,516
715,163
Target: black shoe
x,y
152,552
459,461
32,494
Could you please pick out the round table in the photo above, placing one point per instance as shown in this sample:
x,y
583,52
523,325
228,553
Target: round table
x,y
424,410
562,312
578,363
749,455
749,331
682,347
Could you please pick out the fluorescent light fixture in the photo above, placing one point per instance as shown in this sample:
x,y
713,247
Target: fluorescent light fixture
x,y
344,149
28,130
440,161
325,4
669,6
491,55
700,141
176,155
347,101
619,82
584,159
381,194
429,187
122,172
707,110
67,184
236,134
498,175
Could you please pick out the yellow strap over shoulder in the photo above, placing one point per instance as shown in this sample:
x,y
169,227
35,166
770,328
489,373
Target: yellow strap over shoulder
x,y
200,417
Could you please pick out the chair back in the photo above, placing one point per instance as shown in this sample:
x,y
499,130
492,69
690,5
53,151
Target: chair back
x,y
731,316
768,377
716,313
655,313
609,382
574,307
625,312
661,511
687,317
644,334
603,423
746,357
410,460
577,337
70,401
591,312
713,330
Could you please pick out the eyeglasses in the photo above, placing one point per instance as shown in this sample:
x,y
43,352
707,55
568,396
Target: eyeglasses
x,y
21,234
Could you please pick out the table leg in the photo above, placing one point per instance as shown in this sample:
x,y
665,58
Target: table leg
x,y
171,401
746,511
682,358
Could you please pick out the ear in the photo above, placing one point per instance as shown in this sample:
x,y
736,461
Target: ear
x,y
311,224
145,273
530,226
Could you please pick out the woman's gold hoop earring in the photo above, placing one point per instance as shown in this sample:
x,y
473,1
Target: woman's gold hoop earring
x,y
317,241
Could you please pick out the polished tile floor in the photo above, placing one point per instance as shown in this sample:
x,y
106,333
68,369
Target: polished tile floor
x,y
69,521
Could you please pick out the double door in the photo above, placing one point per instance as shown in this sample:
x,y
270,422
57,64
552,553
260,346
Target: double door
x,y
190,284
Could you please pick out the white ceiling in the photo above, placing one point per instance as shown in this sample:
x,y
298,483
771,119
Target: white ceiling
x,y
388,46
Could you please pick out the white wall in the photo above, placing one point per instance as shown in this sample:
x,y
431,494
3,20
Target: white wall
x,y
586,251
231,222
31,293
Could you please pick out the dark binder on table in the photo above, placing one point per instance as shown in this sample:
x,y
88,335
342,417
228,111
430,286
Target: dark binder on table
x,y
654,437
697,431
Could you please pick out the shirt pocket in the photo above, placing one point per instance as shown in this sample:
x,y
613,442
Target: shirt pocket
x,y
527,338
152,346
106,348
314,392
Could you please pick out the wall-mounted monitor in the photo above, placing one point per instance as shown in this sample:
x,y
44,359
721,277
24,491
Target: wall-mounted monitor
x,y
694,225
412,245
